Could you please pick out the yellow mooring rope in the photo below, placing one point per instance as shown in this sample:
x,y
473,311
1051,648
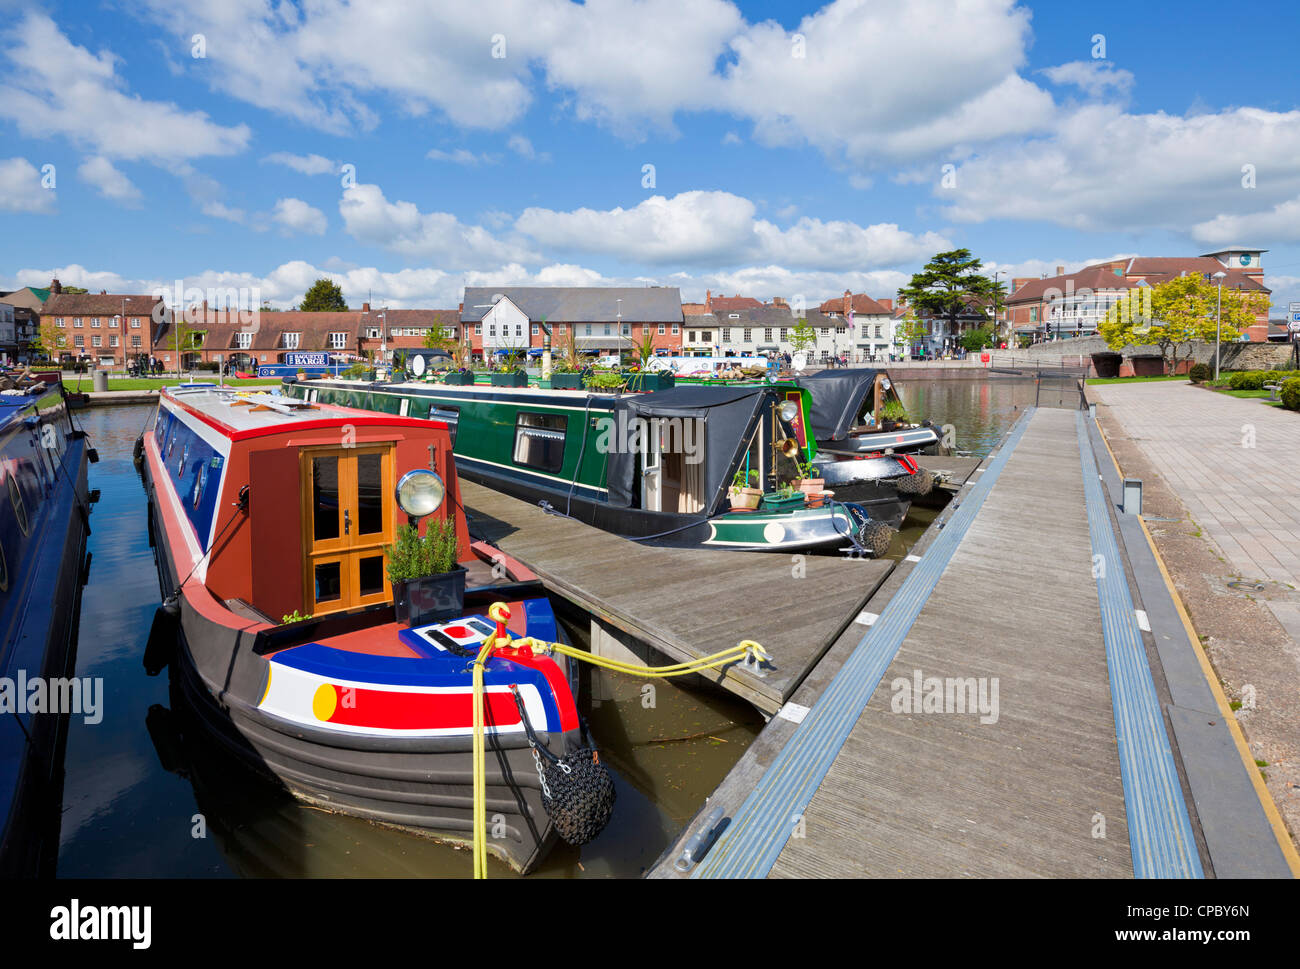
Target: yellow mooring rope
x,y
499,613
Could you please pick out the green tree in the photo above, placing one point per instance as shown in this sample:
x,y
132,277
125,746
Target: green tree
x,y
1177,313
325,296
973,341
947,286
910,331
444,338
803,337
75,290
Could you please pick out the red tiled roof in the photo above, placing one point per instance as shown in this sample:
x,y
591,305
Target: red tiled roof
x,y
1094,278
98,304
863,305
734,303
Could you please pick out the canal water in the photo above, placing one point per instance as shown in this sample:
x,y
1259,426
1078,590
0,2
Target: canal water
x,y
145,796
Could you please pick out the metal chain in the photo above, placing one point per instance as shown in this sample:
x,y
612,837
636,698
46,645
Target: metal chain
x,y
541,774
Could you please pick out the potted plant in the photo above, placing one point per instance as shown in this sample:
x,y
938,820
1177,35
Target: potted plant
x,y
428,583
607,380
809,484
508,373
566,370
641,377
893,414
744,493
785,498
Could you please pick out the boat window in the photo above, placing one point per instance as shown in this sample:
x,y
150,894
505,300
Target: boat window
x,y
171,446
16,499
406,406
539,441
329,581
370,494
4,570
448,415
325,498
370,571
199,484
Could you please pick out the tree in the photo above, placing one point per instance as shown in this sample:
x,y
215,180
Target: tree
x,y
948,285
75,290
47,342
182,336
1177,313
325,296
910,330
803,337
973,341
444,338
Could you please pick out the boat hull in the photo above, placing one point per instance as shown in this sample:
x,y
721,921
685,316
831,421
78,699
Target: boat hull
x,y
420,783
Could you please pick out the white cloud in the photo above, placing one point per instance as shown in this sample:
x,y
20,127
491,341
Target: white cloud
x,y
731,138
522,147
721,228
1281,223
219,210
436,236
21,189
1102,168
295,216
1094,77
461,156
55,88
305,164
111,183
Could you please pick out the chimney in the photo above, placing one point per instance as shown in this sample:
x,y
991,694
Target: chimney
x,y
1060,270
103,292
848,302
56,286
887,304
365,307
778,301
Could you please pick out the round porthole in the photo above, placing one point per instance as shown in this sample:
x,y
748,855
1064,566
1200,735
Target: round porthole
x,y
16,499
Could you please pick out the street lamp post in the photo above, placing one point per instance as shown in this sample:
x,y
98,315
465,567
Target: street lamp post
x,y
1218,321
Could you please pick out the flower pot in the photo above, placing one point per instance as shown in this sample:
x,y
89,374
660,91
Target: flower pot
x,y
566,381
812,486
515,379
1148,365
644,381
745,499
820,499
775,501
419,602
1107,363
458,379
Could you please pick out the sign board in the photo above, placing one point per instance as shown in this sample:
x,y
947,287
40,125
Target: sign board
x,y
307,359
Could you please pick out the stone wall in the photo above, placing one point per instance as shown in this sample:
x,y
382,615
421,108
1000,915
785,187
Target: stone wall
x,y
1233,356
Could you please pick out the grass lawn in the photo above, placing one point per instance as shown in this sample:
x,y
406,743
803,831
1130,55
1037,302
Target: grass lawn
x,y
151,383
1133,380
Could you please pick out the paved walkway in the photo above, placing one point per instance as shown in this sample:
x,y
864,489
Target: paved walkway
x,y
1234,463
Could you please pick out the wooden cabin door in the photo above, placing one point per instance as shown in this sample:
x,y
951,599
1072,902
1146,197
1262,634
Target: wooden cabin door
x,y
651,469
347,521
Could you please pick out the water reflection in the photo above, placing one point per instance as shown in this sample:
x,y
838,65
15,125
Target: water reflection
x,y
980,411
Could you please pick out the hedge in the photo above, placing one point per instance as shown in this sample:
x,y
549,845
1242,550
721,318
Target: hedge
x,y
1291,393
1256,379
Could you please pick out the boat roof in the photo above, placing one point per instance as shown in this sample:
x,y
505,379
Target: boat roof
x,y
13,402
242,414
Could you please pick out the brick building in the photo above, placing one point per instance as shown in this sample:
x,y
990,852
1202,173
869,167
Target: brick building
x,y
103,328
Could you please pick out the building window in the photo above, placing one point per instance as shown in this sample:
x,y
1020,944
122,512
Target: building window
x,y
747,337
112,323
519,329
135,340
690,336
62,341
562,328
243,340
135,322
94,322
588,332
1033,314
291,341
661,329
59,321
826,331
372,332
676,329
112,340
94,340
784,331
539,441
733,316
338,341
536,330
878,332
608,330
767,334
79,340
841,329
76,321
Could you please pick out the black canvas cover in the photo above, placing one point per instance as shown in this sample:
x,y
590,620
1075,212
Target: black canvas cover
x,y
837,399
729,416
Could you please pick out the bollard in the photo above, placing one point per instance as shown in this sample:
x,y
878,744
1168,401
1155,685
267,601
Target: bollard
x,y
1132,496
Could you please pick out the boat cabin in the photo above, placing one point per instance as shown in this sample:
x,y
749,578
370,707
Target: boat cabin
x,y
286,507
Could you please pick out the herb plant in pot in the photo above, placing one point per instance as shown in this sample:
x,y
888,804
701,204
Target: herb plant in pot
x,y
508,373
566,370
743,493
893,415
428,582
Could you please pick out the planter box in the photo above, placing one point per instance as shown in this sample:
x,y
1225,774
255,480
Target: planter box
x,y
458,379
774,501
516,379
1107,363
566,381
649,381
812,486
419,602
1148,365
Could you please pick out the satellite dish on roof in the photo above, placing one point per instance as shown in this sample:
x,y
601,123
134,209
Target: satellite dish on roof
x,y
799,361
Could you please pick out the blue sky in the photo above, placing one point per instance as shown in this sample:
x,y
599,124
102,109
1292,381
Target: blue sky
x,y
797,149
